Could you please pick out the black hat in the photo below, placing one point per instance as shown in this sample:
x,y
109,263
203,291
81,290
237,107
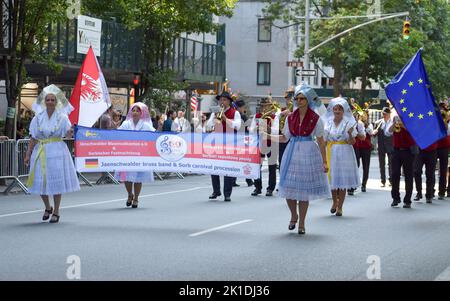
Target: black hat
x,y
386,110
265,101
226,95
240,103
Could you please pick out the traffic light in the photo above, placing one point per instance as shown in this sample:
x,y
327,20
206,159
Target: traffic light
x,y
406,28
137,86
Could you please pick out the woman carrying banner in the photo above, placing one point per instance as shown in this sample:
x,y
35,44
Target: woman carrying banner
x,y
340,135
138,119
52,171
304,165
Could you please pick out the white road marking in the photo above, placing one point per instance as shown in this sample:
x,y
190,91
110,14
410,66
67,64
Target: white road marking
x,y
444,276
220,227
105,202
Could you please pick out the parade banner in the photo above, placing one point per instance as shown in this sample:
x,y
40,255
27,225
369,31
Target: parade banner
x,y
234,155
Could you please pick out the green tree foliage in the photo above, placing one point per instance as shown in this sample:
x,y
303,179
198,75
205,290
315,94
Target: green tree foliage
x,y
27,22
160,21
377,51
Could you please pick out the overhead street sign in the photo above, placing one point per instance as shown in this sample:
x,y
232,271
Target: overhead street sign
x,y
296,64
300,72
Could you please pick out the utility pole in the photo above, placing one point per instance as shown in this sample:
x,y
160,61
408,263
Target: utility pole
x,y
307,19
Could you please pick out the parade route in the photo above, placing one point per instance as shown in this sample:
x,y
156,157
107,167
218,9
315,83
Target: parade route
x,y
245,239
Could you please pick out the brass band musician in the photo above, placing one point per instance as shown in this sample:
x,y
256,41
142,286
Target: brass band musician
x,y
267,121
228,120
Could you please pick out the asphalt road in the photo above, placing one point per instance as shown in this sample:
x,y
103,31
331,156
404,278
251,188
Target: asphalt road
x,y
178,234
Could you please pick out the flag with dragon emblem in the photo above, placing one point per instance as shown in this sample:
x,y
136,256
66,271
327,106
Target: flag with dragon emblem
x,y
90,97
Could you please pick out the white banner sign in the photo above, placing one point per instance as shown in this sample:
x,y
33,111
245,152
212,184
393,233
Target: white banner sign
x,y
89,33
121,150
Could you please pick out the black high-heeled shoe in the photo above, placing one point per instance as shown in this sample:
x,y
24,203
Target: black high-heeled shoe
x,y
54,219
301,230
47,213
135,203
130,199
292,224
333,210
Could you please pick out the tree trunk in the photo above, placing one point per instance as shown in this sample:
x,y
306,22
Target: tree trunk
x,y
11,95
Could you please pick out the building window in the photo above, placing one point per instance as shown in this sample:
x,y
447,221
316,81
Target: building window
x,y
331,82
264,30
263,74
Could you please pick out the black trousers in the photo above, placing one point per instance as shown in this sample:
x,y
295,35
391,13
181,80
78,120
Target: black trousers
x,y
249,181
402,158
382,162
227,185
448,183
272,177
364,155
429,160
442,155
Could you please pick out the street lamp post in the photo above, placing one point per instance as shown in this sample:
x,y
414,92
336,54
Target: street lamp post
x,y
307,19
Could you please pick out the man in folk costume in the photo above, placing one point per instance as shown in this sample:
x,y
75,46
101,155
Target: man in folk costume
x,y
427,157
443,147
266,122
227,121
384,145
361,135
241,107
403,156
365,148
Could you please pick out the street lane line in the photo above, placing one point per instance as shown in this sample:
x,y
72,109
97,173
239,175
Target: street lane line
x,y
444,276
105,202
220,227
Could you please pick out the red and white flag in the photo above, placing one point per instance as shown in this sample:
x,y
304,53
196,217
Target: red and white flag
x,y
90,96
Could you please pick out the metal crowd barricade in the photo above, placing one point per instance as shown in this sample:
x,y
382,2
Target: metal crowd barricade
x,y
166,175
107,178
12,163
158,175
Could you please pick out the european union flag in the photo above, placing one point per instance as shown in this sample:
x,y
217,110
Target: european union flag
x,y
410,94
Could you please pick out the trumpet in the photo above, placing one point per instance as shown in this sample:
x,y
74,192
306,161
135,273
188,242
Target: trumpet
x,y
220,116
